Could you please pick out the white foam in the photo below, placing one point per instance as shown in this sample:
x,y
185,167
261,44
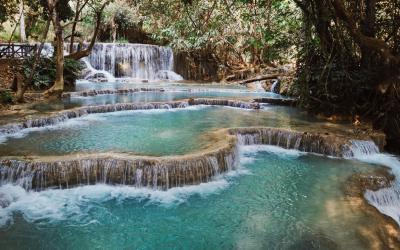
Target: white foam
x,y
75,204
253,149
386,200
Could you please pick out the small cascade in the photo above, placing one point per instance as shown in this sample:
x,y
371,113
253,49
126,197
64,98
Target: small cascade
x,y
137,61
317,143
359,148
99,75
386,200
276,87
172,171
151,172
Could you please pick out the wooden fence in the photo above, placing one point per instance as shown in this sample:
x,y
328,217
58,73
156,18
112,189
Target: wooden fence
x,y
16,50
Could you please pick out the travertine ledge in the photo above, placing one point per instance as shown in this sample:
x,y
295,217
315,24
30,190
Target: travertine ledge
x,y
39,173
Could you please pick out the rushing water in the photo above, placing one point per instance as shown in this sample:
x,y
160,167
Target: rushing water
x,y
278,199
137,61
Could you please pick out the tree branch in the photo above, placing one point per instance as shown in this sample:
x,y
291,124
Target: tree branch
x,y
83,53
362,40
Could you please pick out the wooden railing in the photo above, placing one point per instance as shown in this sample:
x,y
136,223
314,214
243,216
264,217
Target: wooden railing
x,y
17,50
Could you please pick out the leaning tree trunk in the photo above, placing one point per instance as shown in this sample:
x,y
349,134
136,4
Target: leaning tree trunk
x,y
58,87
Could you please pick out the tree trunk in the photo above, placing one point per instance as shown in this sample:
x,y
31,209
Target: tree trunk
x,y
22,22
113,30
368,28
73,29
58,87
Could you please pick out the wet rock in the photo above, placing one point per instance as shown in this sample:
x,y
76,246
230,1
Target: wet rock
x,y
378,231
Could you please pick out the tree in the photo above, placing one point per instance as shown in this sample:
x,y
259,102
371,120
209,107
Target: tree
x,y
350,60
60,11
22,32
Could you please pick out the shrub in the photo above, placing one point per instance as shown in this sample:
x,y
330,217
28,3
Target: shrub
x,y
45,73
6,97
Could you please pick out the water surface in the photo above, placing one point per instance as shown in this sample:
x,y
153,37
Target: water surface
x,y
279,199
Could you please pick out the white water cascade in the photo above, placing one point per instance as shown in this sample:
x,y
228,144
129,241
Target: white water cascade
x,y
386,200
136,61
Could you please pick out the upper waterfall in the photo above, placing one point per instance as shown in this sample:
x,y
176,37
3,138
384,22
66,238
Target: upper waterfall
x,y
126,60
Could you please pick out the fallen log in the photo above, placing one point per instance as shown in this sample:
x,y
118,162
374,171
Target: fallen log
x,y
261,78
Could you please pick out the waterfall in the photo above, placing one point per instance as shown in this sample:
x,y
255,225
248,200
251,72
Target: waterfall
x,y
109,61
93,73
163,172
139,171
275,88
137,61
317,143
386,200
359,148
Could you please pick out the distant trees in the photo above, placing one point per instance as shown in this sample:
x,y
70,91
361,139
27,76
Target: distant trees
x,y
64,16
245,33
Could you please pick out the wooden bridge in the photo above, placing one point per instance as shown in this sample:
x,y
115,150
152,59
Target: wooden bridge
x,y
17,50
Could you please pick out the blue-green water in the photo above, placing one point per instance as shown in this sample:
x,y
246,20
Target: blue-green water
x,y
160,96
277,200
154,132
170,94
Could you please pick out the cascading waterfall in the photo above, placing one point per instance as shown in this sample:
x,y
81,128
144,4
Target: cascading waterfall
x,y
94,73
324,144
275,88
386,200
139,171
161,172
137,61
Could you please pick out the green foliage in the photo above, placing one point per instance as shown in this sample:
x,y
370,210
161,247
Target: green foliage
x,y
45,73
6,97
8,8
256,31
